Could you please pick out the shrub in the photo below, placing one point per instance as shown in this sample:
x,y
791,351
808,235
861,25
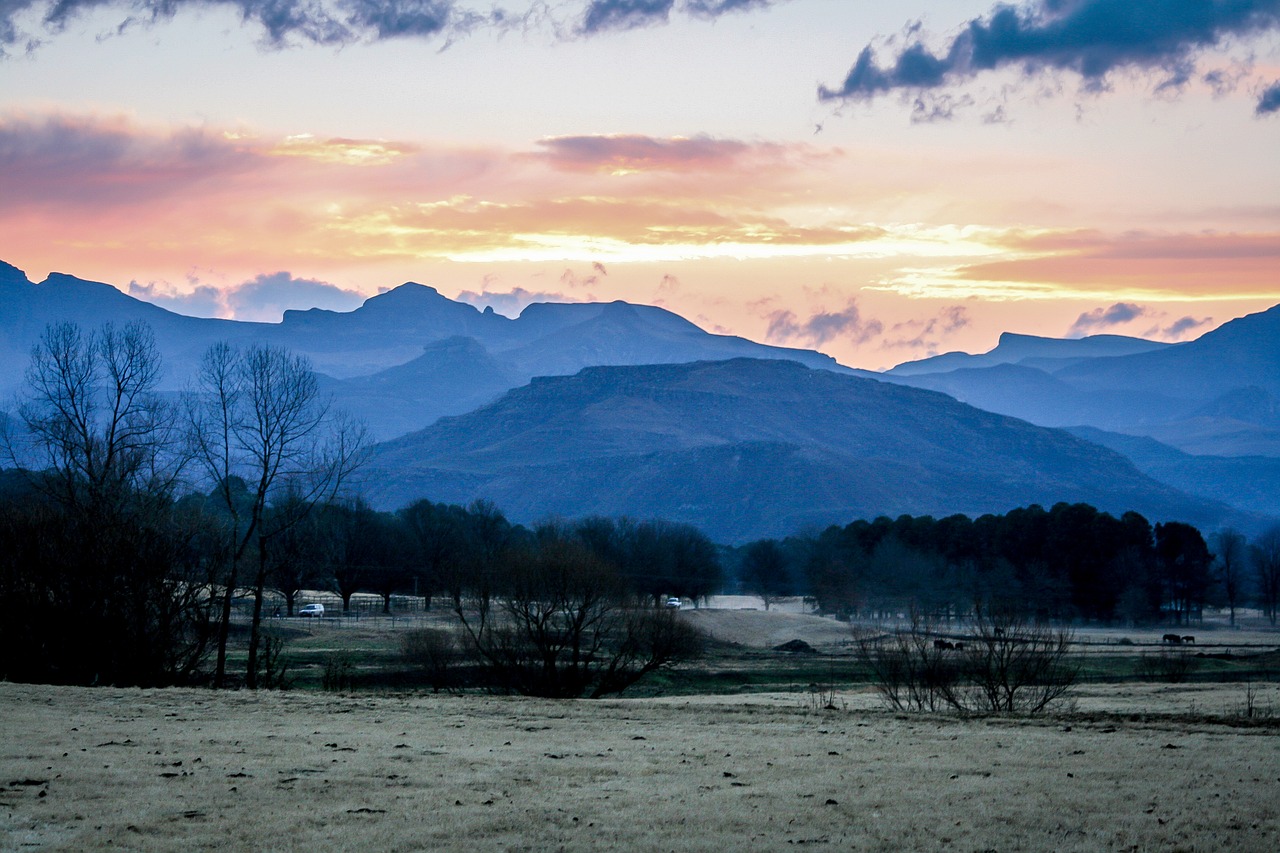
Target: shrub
x,y
1171,665
435,652
1006,665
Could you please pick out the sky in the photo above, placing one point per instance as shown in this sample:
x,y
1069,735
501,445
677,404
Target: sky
x,y
880,181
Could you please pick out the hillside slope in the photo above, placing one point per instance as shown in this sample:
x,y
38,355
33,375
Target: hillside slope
x,y
748,448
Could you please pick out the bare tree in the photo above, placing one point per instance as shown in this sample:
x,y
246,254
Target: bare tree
x,y
1230,559
255,417
94,424
1005,665
99,571
1265,553
557,621
912,669
1014,666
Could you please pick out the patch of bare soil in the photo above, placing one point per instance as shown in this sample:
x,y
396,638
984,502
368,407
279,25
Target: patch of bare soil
x,y
196,770
768,629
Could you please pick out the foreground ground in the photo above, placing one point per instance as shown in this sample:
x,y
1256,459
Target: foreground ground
x,y
1134,767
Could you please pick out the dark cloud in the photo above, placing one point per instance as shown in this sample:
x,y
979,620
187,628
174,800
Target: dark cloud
x,y
392,18
1089,37
326,22
933,107
337,22
1270,100
1098,319
603,15
716,8
824,326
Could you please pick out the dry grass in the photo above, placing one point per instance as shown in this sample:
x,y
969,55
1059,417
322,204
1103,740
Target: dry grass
x,y
1138,768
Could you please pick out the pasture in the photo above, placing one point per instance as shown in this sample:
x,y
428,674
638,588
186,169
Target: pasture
x,y
1128,766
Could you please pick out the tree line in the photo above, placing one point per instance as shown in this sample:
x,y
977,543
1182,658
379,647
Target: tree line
x,y
1068,562
132,521
115,570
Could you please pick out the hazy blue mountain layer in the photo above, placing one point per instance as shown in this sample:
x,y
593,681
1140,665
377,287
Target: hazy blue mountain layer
x,y
749,448
1218,395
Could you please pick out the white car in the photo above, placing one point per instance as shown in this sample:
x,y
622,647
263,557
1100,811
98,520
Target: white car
x,y
316,610
673,603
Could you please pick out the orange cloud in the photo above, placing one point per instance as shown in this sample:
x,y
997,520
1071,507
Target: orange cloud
x,y
1206,264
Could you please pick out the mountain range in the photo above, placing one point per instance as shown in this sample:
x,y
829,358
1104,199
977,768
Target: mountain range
x,y
747,448
401,360
1218,395
630,409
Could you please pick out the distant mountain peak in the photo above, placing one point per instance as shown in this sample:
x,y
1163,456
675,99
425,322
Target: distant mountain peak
x,y
409,292
11,275
1015,347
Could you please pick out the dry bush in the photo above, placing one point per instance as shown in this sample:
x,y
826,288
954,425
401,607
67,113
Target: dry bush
x,y
1013,666
435,652
1170,665
272,668
1005,665
338,673
908,670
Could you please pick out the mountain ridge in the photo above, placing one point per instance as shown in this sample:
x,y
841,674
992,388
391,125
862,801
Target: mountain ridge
x,y
745,448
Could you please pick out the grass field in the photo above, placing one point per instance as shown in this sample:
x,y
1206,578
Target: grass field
x,y
1128,766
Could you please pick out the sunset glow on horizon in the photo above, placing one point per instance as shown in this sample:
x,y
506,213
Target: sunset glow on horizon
x,y
748,165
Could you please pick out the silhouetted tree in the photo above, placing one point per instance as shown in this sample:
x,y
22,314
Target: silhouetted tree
x,y
765,571
99,580
559,622
1231,555
1184,561
256,417
438,533
1265,554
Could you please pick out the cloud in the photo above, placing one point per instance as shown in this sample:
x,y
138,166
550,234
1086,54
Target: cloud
x,y
629,153
110,184
1269,102
606,15
573,281
1179,328
929,108
1099,320
1091,38
322,22
263,299
602,15
339,22
1091,322
821,327
50,160
267,297
510,303
202,300
1133,266
927,335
